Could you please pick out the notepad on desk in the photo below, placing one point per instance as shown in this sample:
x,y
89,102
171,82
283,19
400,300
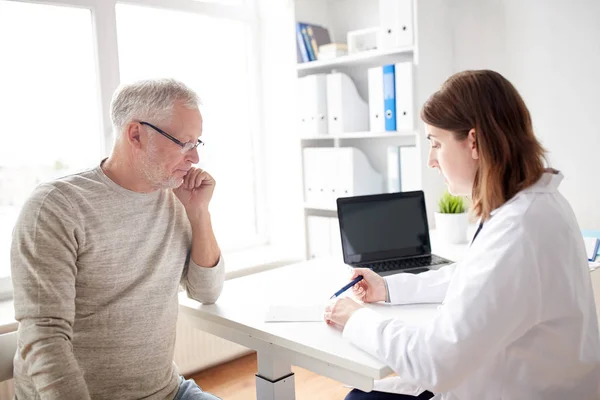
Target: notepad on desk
x,y
295,313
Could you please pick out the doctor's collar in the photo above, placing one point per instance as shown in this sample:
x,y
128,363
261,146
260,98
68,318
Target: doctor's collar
x,y
548,183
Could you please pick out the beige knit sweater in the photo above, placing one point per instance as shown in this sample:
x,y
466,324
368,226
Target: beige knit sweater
x,y
96,270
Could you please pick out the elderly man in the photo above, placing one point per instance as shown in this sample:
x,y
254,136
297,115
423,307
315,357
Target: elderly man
x,y
98,257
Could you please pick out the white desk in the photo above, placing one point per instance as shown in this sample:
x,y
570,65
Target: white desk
x,y
239,315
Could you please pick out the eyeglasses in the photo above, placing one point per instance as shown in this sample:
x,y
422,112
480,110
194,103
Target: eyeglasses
x,y
185,147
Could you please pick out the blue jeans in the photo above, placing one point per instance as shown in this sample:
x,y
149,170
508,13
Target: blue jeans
x,y
188,390
360,395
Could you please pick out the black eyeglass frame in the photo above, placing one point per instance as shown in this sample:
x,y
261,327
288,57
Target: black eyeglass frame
x,y
185,147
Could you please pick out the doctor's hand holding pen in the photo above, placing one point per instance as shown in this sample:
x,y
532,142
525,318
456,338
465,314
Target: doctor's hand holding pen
x,y
370,289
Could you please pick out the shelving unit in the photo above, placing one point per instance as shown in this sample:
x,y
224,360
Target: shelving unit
x,y
308,206
363,135
431,55
367,59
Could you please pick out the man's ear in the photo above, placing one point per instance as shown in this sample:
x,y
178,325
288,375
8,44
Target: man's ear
x,y
472,138
133,133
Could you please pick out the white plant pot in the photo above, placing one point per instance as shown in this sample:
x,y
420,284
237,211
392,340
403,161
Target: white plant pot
x,y
452,228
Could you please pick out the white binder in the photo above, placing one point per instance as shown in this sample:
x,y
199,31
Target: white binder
x,y
393,169
376,108
355,175
319,231
346,110
330,173
314,177
410,171
395,23
405,120
324,237
312,104
335,238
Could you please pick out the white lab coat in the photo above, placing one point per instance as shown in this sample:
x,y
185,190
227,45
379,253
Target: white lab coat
x,y
518,319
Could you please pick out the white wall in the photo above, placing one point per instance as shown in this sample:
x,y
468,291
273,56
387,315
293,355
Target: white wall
x,y
550,50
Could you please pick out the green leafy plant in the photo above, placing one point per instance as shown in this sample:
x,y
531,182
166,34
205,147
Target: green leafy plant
x,y
449,204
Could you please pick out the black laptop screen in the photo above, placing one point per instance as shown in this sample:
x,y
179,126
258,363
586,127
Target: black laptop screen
x,y
383,227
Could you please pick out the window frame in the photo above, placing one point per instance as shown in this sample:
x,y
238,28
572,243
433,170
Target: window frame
x,y
104,34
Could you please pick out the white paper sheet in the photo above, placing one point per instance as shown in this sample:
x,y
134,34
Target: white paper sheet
x,y
295,313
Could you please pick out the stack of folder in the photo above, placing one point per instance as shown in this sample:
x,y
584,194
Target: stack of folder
x,y
395,23
391,97
330,104
324,238
330,173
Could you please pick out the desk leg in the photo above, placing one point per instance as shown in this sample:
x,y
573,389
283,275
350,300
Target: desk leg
x,y
275,379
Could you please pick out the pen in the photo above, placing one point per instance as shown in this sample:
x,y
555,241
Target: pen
x,y
348,286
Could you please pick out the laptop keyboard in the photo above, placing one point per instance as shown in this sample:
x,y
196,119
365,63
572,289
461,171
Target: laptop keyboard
x,y
408,263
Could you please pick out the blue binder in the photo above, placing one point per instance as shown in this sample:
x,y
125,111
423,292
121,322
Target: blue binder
x,y
307,42
300,46
389,97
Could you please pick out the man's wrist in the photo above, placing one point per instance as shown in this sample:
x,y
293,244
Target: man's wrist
x,y
199,216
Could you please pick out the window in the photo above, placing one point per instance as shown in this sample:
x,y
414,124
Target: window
x,y
49,98
56,87
211,55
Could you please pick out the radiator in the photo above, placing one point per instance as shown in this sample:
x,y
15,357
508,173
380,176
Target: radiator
x,y
196,350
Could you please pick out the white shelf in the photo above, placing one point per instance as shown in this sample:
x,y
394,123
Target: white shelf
x,y
362,135
308,206
370,57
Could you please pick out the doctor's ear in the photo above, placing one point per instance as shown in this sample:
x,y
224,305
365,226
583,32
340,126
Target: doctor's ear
x,y
472,140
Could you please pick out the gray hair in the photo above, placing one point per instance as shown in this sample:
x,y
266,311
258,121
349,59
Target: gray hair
x,y
149,100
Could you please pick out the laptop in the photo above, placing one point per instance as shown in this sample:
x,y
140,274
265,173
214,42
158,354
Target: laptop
x,y
388,233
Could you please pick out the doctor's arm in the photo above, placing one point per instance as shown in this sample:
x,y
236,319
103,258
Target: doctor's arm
x,y
426,287
495,304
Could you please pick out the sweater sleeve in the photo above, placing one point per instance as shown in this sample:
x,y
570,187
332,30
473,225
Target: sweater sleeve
x,y
204,284
43,262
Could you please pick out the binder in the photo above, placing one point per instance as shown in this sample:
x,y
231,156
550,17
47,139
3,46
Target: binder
x,y
376,110
405,119
355,175
346,110
389,97
330,173
307,42
318,36
410,169
312,105
335,238
395,23
301,53
393,169
324,237
318,236
314,177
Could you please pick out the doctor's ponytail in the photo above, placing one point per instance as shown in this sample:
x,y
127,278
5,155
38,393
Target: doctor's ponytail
x,y
510,156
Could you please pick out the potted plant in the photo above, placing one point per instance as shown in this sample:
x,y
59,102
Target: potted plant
x,y
451,220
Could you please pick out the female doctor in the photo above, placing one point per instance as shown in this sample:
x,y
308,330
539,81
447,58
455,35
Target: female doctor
x,y
517,319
